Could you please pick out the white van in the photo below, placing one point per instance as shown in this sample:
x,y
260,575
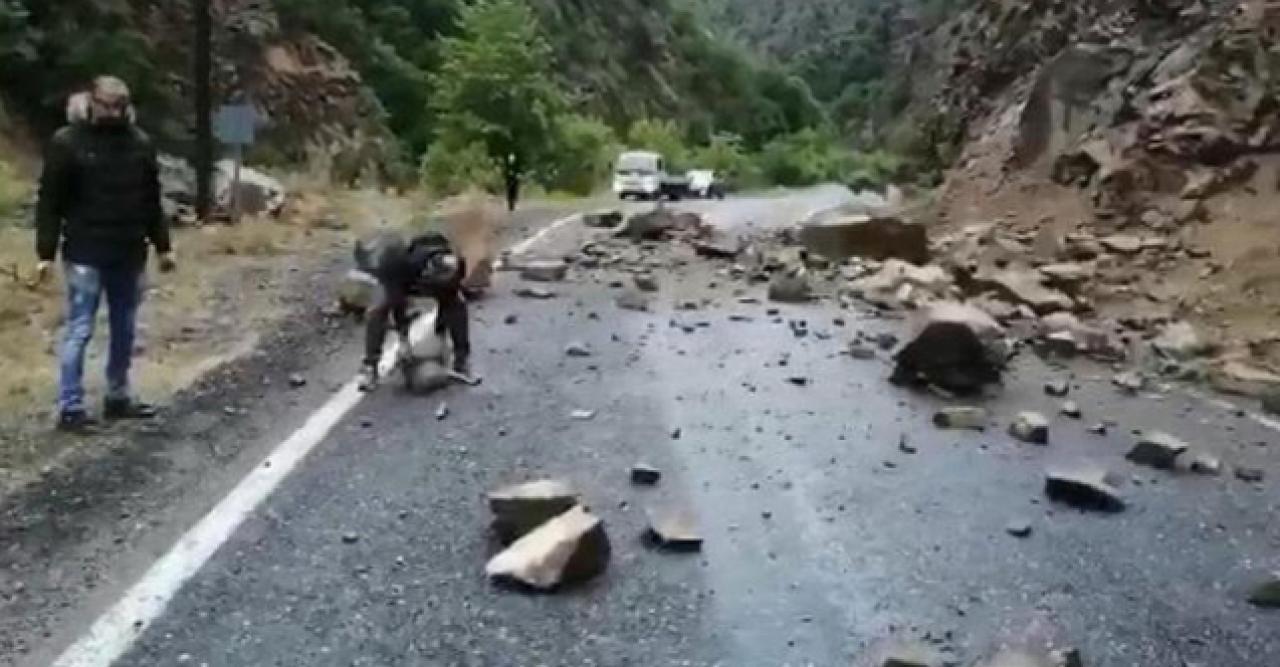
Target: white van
x,y
643,175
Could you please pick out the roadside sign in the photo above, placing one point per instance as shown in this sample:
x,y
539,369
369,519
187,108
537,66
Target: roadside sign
x,y
235,124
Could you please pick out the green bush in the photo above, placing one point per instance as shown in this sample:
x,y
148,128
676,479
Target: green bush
x,y
449,170
659,136
727,156
586,148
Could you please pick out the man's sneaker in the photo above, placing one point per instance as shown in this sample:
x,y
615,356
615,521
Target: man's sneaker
x,y
78,422
125,408
367,380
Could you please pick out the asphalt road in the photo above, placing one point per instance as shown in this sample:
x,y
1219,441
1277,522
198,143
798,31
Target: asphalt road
x,y
825,542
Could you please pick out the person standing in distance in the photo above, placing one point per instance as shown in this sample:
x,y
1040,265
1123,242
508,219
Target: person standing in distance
x,y
99,205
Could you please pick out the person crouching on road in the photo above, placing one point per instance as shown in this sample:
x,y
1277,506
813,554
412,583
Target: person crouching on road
x,y
99,203
425,266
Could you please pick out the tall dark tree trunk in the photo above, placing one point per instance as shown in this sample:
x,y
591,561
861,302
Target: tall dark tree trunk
x,y
204,110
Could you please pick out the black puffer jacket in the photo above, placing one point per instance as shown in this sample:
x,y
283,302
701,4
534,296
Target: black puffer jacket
x,y
100,197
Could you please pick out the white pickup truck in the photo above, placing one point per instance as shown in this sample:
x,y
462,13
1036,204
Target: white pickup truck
x,y
643,175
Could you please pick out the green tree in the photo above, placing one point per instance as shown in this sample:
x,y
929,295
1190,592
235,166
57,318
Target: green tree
x,y
726,155
585,148
448,170
660,136
494,86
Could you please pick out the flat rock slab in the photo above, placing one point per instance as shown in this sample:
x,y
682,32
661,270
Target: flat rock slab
x,y
1158,450
1084,487
961,417
673,528
1123,244
544,270
570,548
644,474
520,508
1030,427
534,293
1267,593
633,300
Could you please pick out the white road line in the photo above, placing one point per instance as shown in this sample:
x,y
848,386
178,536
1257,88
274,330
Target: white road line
x,y
1262,420
523,246
115,630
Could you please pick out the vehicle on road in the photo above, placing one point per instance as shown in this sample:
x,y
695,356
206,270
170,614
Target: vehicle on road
x,y
706,184
643,175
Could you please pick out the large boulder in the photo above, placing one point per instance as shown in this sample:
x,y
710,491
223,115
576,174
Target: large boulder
x,y
255,194
790,288
957,347
873,236
609,218
570,548
1180,342
520,508
1086,487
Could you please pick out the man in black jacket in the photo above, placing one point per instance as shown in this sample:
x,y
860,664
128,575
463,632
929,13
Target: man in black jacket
x,y
100,205
425,266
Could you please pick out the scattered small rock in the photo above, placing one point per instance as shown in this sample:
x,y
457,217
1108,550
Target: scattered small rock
x,y
1206,464
674,528
1085,487
534,293
577,349
799,380
1250,474
633,300
1098,429
1071,409
1158,450
862,352
904,446
583,415
645,282
442,411
961,417
886,341
1018,528
1129,381
511,319
546,271
297,381
1030,427
645,474
350,538
1057,388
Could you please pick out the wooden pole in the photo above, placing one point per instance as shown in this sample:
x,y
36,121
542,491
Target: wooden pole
x,y
204,110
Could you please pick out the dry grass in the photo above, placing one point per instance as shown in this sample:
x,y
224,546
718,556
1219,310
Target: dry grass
x,y
228,288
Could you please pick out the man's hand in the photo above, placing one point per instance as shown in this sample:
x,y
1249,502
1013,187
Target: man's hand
x,y
167,263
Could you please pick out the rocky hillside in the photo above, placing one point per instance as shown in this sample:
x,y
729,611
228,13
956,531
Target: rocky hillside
x,y
1138,143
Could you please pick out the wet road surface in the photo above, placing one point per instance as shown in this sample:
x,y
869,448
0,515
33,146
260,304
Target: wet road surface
x,y
824,540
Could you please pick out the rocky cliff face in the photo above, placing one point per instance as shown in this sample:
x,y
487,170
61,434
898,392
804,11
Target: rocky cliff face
x,y
1152,127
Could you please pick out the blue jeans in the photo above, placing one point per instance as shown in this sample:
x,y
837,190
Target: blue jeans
x,y
85,287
